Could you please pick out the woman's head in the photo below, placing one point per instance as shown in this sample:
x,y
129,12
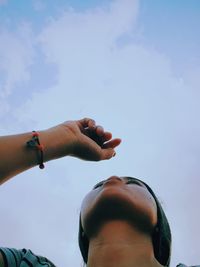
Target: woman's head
x,y
132,199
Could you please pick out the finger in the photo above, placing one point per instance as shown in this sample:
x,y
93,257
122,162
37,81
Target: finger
x,y
107,153
106,137
97,134
99,130
112,144
87,122
92,124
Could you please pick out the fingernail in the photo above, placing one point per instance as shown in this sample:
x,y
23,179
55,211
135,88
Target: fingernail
x,y
113,154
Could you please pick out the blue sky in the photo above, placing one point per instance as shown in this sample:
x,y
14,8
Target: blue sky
x,y
173,28
133,66
27,10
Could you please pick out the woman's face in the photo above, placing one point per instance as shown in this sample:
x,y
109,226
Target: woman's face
x,y
119,198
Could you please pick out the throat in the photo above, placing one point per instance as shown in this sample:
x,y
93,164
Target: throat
x,y
119,244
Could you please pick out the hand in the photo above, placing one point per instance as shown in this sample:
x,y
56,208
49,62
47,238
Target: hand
x,y
90,142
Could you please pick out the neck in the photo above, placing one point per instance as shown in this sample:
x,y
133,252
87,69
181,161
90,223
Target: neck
x,y
119,244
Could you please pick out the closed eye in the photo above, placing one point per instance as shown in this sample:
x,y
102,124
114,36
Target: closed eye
x,y
99,184
131,180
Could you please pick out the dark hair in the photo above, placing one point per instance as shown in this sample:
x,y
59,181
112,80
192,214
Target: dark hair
x,y
161,237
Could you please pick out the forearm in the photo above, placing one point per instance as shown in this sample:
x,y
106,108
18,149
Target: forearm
x,y
16,157
81,139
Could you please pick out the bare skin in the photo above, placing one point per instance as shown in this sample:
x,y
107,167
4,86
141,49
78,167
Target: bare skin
x,y
114,241
119,244
82,139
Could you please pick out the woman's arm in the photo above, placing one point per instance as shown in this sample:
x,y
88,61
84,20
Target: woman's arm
x,y
81,139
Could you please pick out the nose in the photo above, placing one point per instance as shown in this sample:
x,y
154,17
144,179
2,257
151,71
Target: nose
x,y
114,177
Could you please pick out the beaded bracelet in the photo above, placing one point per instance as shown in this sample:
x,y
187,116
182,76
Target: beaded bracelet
x,y
35,144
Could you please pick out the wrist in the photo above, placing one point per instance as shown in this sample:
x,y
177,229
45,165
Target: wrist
x,y
57,142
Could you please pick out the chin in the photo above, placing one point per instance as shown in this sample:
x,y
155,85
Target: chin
x,y
117,203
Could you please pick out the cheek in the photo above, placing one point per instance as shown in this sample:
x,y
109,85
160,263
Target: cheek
x,y
86,206
152,210
87,201
145,204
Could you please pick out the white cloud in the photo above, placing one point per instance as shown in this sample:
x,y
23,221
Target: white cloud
x,y
16,53
130,89
72,31
82,46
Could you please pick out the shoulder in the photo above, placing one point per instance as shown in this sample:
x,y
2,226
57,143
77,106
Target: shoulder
x,y
10,257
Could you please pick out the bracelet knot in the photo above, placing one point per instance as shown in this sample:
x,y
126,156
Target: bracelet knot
x,y
34,143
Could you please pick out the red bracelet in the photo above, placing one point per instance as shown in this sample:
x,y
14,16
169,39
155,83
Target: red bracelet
x,y
35,144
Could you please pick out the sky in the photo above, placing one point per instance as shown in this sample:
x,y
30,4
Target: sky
x,y
134,67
